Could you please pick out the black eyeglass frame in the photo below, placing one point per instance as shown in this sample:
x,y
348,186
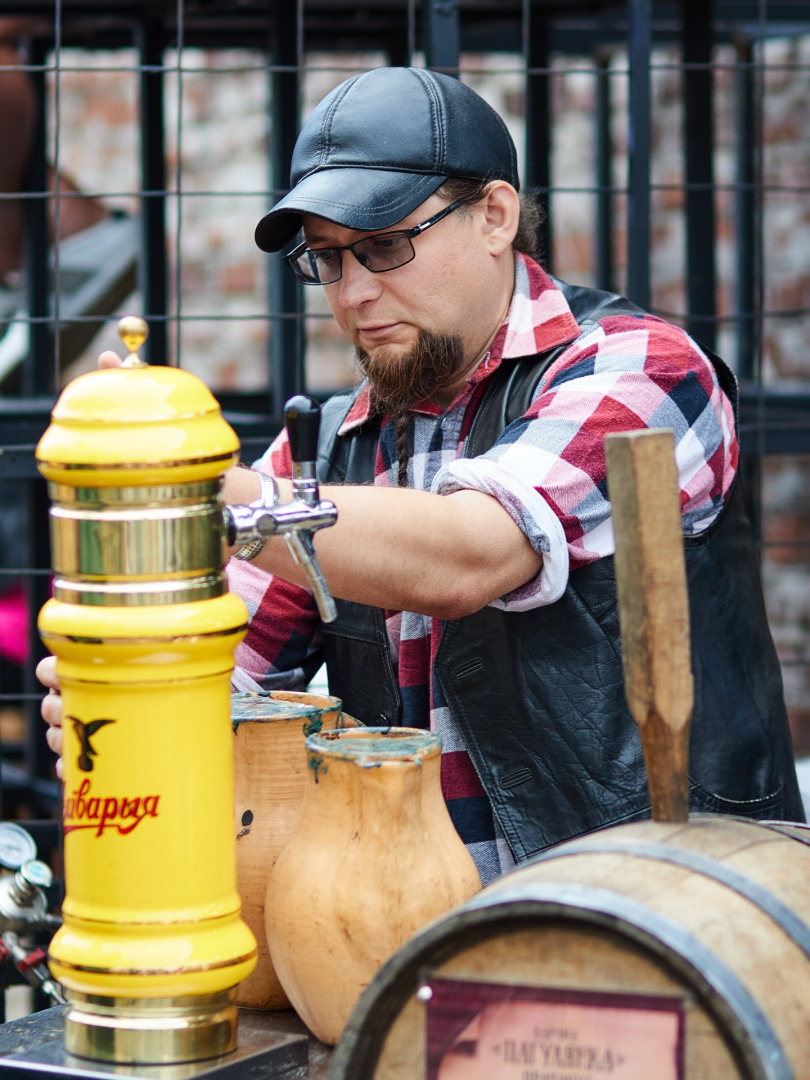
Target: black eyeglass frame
x,y
293,256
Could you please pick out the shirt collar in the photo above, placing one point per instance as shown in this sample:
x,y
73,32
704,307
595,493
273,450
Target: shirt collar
x,y
538,319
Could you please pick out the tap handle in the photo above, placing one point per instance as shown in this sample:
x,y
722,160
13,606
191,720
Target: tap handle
x,y
302,415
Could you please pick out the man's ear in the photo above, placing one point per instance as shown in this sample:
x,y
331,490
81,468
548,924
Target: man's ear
x,y
500,209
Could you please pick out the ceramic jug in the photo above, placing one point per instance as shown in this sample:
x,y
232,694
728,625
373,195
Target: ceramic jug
x,y
270,730
374,857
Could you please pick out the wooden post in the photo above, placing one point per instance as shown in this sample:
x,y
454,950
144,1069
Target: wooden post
x,y
653,609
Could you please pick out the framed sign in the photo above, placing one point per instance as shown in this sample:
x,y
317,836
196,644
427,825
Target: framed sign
x,y
493,1031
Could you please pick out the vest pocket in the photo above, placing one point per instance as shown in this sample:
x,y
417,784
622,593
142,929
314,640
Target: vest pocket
x,y
769,806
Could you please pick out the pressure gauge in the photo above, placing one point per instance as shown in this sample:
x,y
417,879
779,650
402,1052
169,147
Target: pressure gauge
x,y
37,873
16,846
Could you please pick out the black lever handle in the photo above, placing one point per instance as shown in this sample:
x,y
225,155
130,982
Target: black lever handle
x,y
302,416
297,520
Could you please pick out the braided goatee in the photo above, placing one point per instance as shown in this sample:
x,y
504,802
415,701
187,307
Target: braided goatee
x,y
399,381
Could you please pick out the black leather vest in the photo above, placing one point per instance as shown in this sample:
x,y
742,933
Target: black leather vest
x,y
538,696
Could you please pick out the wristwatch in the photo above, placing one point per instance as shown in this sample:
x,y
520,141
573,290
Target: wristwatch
x,y
269,497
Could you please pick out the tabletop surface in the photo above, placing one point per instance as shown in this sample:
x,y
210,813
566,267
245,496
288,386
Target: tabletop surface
x,y
277,1044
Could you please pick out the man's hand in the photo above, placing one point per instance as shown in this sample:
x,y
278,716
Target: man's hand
x,y
51,707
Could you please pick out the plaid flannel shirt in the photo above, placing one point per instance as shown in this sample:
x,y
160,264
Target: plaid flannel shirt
x,y
547,469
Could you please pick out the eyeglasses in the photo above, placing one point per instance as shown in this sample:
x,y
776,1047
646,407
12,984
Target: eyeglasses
x,y
378,253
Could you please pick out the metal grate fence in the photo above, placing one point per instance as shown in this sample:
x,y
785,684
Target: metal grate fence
x,y
665,139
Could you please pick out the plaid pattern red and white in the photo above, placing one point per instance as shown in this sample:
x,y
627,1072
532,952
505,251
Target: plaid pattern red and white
x,y
547,470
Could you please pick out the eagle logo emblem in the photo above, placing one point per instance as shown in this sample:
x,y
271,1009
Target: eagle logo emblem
x,y
84,733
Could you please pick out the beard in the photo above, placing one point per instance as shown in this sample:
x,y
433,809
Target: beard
x,y
399,380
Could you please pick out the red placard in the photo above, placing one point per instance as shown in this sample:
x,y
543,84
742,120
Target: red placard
x,y
494,1031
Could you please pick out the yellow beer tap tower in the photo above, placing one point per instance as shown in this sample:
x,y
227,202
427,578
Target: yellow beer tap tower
x,y
144,630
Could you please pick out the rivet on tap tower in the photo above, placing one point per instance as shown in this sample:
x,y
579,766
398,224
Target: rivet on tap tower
x,y
144,630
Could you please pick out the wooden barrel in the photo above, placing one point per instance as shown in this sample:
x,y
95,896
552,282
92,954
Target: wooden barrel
x,y
270,732
694,937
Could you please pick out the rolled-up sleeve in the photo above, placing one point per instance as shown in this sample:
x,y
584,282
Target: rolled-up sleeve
x,y
530,512
547,468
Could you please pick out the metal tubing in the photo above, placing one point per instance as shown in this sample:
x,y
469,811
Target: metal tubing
x,y
748,215
442,35
744,210
638,202
699,145
538,129
38,757
38,377
152,267
37,374
604,175
287,375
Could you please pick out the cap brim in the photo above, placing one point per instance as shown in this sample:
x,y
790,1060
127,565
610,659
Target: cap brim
x,y
356,198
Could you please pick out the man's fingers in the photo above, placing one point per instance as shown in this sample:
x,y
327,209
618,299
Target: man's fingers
x,y
53,736
46,673
51,710
51,707
109,359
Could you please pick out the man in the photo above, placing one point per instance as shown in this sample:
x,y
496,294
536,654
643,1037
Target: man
x,y
471,557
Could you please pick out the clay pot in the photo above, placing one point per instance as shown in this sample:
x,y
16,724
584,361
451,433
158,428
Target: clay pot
x,y
374,858
270,731
330,707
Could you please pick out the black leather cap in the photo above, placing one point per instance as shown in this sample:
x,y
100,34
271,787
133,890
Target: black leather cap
x,y
380,144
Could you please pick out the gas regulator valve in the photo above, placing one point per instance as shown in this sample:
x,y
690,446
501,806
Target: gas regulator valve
x,y
23,902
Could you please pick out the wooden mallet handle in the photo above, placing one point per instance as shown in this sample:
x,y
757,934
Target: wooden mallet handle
x,y
653,609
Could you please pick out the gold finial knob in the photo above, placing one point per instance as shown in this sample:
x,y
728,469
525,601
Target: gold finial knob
x,y
133,331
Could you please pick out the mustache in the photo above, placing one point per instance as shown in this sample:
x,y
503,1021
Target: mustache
x,y
399,380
